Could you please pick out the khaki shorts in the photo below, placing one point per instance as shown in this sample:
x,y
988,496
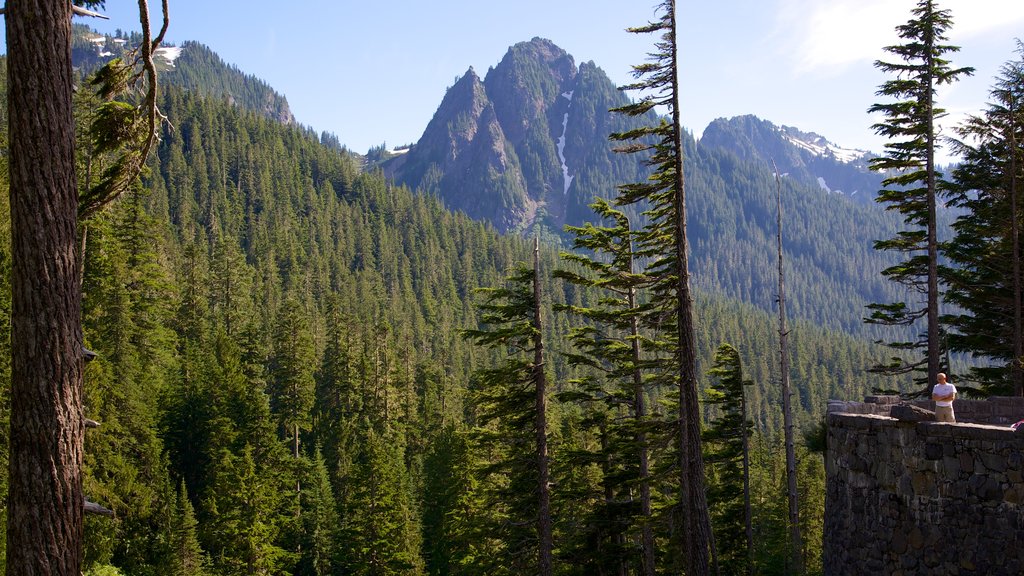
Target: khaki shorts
x,y
944,414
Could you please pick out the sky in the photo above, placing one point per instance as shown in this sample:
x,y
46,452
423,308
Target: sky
x,y
374,72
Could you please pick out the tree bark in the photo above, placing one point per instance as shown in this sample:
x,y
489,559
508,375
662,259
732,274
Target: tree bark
x,y
1016,372
934,346
693,499
45,507
795,541
546,541
640,414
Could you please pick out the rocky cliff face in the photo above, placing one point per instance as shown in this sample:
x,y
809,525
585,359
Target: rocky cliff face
x,y
526,145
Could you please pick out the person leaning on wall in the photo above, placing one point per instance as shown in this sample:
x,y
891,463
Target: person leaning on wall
x,y
943,394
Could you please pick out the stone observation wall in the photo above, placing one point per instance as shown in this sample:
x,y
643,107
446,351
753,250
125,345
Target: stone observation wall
x,y
910,496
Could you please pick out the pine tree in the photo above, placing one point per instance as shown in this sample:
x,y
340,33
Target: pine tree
x,y
380,535
664,240
187,556
986,280
455,513
292,372
245,518
913,182
611,344
727,453
513,400
319,522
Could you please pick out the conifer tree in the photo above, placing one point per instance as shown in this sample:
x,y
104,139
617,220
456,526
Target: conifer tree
x,y
244,510
292,372
912,185
512,399
187,556
44,511
319,522
337,403
664,241
612,345
380,535
455,513
986,281
727,453
792,495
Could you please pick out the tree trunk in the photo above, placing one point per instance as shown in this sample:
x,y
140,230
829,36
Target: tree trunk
x,y
748,521
543,482
934,349
1016,372
796,550
640,414
693,499
45,506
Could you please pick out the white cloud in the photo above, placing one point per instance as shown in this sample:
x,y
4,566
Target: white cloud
x,y
824,36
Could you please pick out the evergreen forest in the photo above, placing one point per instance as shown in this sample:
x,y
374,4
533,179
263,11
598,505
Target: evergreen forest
x,y
305,368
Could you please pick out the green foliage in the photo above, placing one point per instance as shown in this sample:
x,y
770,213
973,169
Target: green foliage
x,y
380,534
614,401
244,506
508,415
726,452
912,185
291,372
260,282
664,241
984,278
320,522
186,555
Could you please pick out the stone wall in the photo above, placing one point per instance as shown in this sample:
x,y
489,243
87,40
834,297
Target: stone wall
x,y
924,498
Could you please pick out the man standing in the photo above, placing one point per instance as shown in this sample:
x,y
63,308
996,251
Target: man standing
x,y
943,394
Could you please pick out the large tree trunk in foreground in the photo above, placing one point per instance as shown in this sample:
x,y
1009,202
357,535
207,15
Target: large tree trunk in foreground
x,y
44,518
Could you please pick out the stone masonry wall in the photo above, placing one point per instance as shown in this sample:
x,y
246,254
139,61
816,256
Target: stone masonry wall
x,y
924,498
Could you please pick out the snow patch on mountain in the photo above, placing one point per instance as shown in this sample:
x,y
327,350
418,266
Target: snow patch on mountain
x,y
819,146
169,53
566,177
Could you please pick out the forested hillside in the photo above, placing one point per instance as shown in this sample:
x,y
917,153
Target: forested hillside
x,y
806,157
192,66
259,284
527,148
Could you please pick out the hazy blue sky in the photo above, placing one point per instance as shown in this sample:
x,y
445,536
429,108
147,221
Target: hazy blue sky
x,y
374,72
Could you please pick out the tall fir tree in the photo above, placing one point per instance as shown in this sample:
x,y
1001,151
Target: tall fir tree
x,y
610,342
727,451
912,185
244,507
292,372
512,405
985,281
187,557
455,512
380,536
318,551
664,241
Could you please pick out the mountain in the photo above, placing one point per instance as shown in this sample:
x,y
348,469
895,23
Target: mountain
x,y
191,66
526,147
259,278
803,156
527,144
